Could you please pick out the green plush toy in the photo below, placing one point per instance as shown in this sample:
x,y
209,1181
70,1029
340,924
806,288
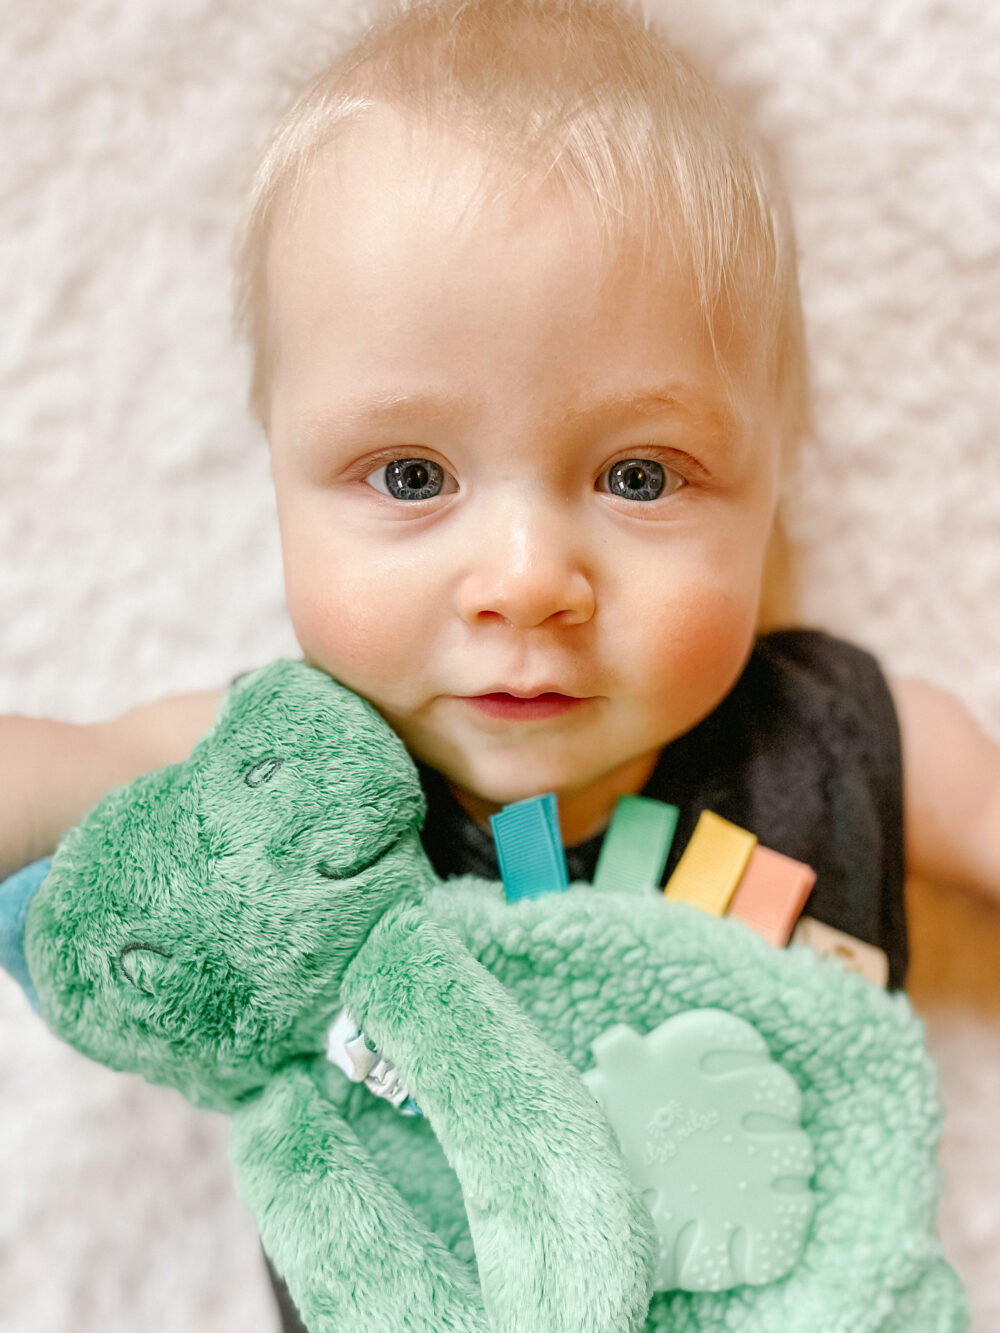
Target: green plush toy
x,y
451,1112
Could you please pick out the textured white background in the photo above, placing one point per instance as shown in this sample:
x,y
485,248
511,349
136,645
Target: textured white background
x,y
138,551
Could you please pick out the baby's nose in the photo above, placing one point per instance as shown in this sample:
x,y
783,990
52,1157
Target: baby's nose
x,y
528,568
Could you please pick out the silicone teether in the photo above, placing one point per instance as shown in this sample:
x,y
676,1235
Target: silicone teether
x,y
710,1129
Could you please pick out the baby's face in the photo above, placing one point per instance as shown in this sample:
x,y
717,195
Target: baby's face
x,y
503,473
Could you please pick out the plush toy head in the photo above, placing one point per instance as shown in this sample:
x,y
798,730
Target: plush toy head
x,y
200,927
194,928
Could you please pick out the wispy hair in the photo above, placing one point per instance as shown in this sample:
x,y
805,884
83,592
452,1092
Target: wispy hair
x,y
586,95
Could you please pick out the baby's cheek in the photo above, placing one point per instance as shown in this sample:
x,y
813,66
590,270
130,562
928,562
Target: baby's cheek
x,y
340,627
698,646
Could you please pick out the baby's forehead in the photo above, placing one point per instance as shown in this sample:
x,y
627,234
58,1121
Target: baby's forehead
x,y
388,175
395,199
396,161
584,106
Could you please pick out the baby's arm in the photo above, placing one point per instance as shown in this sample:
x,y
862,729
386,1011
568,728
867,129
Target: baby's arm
x,y
951,772
56,771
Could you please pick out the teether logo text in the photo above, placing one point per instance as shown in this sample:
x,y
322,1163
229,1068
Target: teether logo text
x,y
670,1126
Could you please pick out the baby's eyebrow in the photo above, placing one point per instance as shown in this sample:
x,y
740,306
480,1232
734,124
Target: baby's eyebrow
x,y
382,407
385,407
668,400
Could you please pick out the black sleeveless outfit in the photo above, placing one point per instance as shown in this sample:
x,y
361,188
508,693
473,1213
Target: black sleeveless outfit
x,y
804,752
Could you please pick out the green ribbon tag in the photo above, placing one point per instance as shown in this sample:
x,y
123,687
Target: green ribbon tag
x,y
636,845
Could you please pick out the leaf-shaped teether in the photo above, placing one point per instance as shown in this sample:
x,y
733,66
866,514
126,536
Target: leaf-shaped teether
x,y
710,1128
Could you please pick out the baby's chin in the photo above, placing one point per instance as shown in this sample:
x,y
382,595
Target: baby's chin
x,y
587,786
483,787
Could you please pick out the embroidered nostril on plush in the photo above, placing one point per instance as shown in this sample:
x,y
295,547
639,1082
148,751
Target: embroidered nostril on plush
x,y
262,771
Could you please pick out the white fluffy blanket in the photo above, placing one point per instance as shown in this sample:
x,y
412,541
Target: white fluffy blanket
x,y
138,551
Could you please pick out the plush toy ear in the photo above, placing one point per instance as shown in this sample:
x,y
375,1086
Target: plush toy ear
x,y
142,965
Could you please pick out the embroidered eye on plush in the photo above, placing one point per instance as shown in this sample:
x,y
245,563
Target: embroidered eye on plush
x,y
141,964
357,868
262,771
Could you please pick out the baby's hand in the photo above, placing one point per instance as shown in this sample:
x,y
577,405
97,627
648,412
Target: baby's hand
x,y
951,784
54,772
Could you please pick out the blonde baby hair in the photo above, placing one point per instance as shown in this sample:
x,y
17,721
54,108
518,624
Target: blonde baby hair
x,y
587,95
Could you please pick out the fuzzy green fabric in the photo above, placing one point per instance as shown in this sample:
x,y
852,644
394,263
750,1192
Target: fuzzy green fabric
x,y
205,925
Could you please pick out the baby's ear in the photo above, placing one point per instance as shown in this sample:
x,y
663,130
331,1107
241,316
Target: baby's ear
x,y
143,965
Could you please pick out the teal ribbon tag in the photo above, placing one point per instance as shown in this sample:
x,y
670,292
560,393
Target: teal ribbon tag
x,y
529,848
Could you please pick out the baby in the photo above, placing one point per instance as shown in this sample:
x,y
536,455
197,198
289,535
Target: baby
x,y
528,353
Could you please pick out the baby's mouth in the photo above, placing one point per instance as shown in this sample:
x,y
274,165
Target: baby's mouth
x,y
512,707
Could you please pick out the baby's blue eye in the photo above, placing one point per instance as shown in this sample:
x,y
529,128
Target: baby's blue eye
x,y
410,479
641,479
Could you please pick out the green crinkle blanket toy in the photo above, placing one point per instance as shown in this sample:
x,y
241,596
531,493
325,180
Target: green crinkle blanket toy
x,y
450,1112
